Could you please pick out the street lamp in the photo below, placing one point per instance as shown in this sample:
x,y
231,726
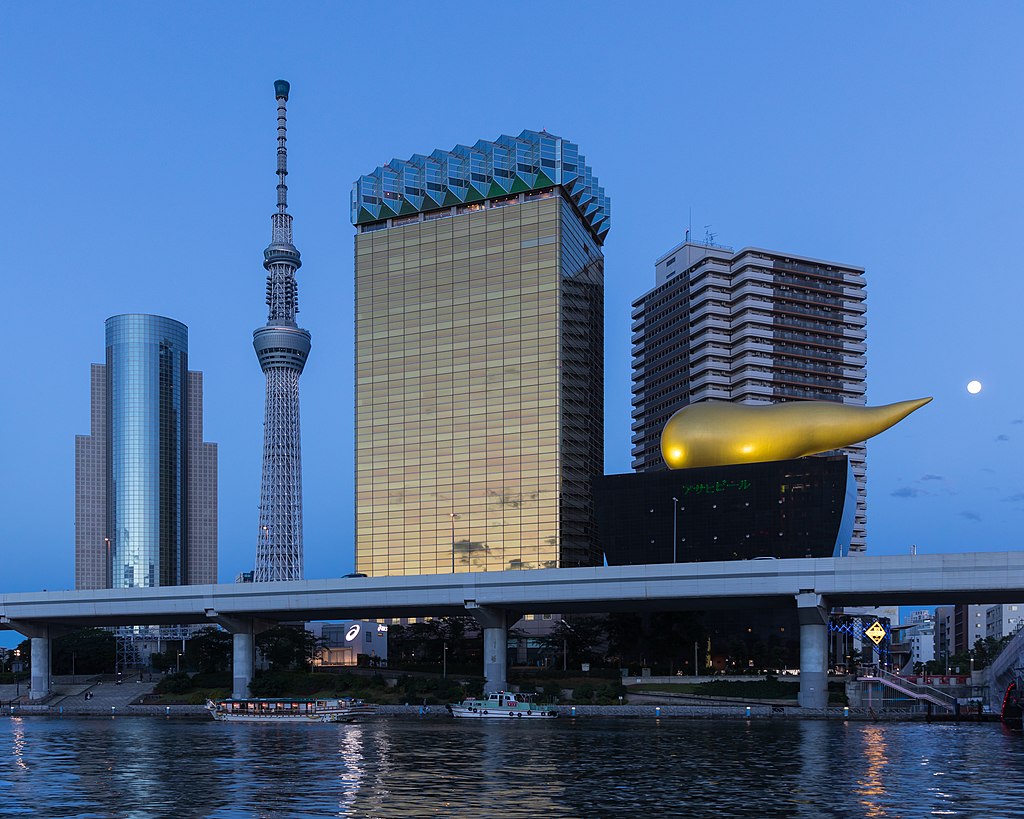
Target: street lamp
x,y
177,666
675,505
444,661
17,679
454,518
565,645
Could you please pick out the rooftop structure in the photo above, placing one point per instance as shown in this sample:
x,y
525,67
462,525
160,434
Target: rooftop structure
x,y
532,161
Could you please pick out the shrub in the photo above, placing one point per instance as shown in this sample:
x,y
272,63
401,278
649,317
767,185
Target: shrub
x,y
583,693
174,684
552,692
218,679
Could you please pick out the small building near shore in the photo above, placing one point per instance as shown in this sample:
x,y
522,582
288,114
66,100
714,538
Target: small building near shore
x,y
351,643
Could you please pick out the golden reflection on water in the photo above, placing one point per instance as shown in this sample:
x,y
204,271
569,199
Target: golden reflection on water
x,y
18,742
870,787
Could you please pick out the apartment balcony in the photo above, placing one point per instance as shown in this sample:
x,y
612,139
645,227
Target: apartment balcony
x,y
753,345
820,285
705,380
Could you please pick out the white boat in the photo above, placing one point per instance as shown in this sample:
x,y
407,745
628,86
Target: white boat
x,y
502,705
342,709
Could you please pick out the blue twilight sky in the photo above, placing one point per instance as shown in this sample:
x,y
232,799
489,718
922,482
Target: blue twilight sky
x,y
138,152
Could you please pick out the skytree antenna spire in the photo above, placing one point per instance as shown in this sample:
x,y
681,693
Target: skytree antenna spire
x,y
282,347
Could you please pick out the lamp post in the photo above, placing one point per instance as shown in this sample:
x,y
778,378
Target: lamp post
x,y
444,661
696,672
565,644
454,518
177,666
17,679
675,510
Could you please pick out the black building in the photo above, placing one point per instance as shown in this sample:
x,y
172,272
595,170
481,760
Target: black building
x,y
799,508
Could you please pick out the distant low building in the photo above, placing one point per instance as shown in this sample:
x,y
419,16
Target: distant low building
x,y
351,643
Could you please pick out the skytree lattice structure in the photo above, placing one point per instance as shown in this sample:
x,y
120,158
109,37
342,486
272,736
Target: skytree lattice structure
x,y
282,347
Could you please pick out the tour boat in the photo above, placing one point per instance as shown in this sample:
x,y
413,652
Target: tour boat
x,y
343,709
502,705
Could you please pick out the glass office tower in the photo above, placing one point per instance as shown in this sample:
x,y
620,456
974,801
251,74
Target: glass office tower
x,y
479,361
146,483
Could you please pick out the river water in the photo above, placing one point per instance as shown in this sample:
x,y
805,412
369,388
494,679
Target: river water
x,y
432,767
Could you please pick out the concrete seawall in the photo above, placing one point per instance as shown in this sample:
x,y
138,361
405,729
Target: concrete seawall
x,y
734,712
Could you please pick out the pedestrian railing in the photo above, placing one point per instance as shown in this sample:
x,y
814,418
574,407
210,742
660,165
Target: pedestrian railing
x,y
910,689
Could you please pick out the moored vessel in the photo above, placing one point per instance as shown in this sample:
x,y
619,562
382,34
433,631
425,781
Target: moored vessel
x,y
341,709
502,705
1012,714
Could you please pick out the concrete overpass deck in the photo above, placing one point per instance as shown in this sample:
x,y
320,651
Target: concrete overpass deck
x,y
498,599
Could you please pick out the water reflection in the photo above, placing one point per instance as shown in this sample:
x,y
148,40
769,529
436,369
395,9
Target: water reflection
x,y
429,767
871,787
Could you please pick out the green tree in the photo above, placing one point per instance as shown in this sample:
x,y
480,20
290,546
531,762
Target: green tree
x,y
86,651
209,650
287,647
578,642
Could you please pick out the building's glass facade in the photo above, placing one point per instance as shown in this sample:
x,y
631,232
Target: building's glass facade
x,y
147,383
479,381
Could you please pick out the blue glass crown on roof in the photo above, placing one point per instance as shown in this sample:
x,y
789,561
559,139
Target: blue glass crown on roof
x,y
488,170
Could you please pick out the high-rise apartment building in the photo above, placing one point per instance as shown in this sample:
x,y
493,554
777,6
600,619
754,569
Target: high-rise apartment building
x,y
754,327
479,361
145,482
282,348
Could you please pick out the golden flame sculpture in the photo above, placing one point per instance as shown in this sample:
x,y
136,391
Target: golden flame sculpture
x,y
717,433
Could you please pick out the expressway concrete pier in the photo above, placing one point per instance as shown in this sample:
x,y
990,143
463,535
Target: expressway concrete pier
x,y
497,600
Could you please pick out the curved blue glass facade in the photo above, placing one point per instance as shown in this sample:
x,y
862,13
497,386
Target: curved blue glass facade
x,y
147,423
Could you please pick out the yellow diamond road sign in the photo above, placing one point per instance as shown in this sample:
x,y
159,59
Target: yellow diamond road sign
x,y
876,632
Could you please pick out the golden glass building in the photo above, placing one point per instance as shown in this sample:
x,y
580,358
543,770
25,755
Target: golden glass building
x,y
479,361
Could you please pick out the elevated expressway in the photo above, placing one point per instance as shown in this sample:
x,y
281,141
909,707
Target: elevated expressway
x,y
498,599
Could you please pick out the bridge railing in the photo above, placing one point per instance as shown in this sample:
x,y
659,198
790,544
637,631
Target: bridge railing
x,y
915,690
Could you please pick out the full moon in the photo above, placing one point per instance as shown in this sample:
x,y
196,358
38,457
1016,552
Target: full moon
x,y
973,387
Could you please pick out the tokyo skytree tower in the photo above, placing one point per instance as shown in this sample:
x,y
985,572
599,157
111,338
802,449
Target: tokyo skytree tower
x,y
282,347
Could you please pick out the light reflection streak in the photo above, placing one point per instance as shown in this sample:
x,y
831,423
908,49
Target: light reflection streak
x,y
871,786
353,767
18,743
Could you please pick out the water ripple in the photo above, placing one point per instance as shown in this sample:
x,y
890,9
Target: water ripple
x,y
94,769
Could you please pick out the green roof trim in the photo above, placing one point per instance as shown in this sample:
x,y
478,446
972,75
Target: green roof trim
x,y
469,174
